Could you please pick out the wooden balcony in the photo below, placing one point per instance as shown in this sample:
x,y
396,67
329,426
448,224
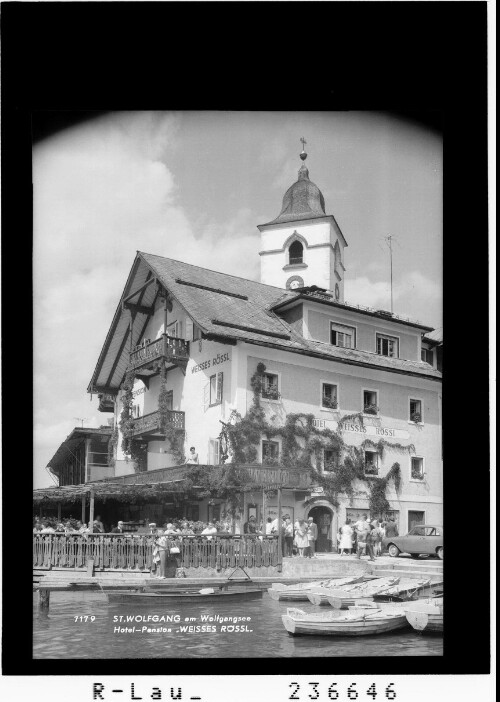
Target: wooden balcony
x,y
168,348
149,426
106,402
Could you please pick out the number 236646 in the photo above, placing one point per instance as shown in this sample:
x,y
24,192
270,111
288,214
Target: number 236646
x,y
355,691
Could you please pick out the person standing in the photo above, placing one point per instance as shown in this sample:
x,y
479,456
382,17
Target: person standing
x,y
301,540
118,528
288,537
371,539
391,529
250,527
345,539
269,526
362,529
193,456
312,535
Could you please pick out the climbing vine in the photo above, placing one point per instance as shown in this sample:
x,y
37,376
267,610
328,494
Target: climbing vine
x,y
135,448
112,444
302,447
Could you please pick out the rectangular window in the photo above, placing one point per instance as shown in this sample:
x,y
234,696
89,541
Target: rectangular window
x,y
416,411
370,401
330,460
342,336
329,396
387,346
270,386
417,468
415,517
213,452
216,389
270,452
427,356
371,463
174,329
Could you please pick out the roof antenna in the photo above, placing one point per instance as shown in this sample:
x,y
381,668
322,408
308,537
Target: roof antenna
x,y
303,154
81,419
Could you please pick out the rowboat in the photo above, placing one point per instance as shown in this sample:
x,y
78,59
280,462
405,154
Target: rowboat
x,y
406,589
208,594
342,598
299,592
337,623
426,615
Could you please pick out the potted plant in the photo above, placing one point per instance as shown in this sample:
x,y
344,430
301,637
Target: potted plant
x,y
416,417
271,392
330,402
370,409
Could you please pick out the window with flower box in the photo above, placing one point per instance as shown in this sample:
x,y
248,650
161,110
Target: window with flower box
x,y
417,468
371,463
270,452
329,396
330,460
270,386
416,411
370,402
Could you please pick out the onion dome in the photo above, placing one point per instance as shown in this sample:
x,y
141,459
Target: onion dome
x,y
302,200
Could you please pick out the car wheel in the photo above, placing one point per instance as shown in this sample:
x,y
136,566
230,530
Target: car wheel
x,y
440,552
414,555
393,550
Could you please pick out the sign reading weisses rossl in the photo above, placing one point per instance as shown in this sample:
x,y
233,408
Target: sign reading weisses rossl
x,y
365,430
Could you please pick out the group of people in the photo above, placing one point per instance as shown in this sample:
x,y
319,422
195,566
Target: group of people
x,y
298,539
364,538
46,525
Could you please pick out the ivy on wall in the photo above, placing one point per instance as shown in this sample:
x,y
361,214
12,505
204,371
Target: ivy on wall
x,y
136,448
303,445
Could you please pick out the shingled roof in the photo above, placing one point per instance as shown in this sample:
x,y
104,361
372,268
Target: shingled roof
x,y
226,306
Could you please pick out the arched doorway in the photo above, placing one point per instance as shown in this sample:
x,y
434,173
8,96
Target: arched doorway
x,y
326,521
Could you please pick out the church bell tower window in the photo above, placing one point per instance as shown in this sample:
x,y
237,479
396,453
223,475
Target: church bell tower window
x,y
296,253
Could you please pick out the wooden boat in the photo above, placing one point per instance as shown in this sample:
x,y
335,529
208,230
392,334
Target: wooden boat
x,y
299,592
208,594
337,623
426,615
406,589
342,598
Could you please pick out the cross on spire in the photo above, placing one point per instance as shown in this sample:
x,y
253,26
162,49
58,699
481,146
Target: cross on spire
x,y
303,155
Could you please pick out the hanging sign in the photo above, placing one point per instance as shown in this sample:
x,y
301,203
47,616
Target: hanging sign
x,y
363,430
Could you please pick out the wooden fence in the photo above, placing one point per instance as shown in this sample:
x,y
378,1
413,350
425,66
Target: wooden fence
x,y
135,552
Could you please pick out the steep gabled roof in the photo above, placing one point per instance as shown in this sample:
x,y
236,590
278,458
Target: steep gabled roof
x,y
223,306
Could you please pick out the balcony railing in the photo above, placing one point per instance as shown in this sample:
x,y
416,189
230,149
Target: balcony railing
x,y
170,348
151,423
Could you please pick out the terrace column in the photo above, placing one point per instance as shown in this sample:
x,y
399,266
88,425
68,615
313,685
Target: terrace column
x,y
84,497
86,476
91,515
58,511
280,535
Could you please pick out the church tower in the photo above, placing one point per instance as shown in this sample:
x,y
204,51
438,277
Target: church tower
x,y
303,246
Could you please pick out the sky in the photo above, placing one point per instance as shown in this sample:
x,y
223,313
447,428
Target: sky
x,y
193,186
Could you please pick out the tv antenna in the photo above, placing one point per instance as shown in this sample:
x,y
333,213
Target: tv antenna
x,y
81,419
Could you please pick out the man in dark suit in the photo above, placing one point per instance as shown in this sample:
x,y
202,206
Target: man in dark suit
x,y
118,528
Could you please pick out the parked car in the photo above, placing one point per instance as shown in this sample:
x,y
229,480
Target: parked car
x,y
423,538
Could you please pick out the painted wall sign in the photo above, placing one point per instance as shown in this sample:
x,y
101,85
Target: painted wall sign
x,y
210,362
139,391
365,430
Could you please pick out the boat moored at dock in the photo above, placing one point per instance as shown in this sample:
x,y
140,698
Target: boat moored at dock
x,y
337,623
300,591
426,615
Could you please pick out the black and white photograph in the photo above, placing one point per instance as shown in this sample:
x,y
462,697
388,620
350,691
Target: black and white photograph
x,y
250,443
235,236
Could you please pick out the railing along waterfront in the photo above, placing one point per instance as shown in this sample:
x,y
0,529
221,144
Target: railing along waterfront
x,y
135,551
151,422
169,347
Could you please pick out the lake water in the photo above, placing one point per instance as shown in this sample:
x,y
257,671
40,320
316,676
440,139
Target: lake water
x,y
57,635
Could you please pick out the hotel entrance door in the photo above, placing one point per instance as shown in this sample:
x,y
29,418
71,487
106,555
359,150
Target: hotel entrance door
x,y
323,517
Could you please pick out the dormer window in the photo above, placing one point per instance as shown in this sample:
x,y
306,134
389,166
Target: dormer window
x,y
343,336
296,253
387,346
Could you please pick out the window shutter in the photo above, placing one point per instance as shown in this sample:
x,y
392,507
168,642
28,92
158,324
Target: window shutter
x,y
189,329
206,397
219,386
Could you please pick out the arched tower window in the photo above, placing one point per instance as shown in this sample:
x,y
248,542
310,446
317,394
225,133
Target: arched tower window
x,y
296,253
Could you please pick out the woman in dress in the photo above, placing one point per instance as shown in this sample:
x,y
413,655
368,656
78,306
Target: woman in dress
x,y
301,540
346,539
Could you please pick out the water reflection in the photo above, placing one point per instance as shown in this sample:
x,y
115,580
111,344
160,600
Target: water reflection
x,y
57,635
